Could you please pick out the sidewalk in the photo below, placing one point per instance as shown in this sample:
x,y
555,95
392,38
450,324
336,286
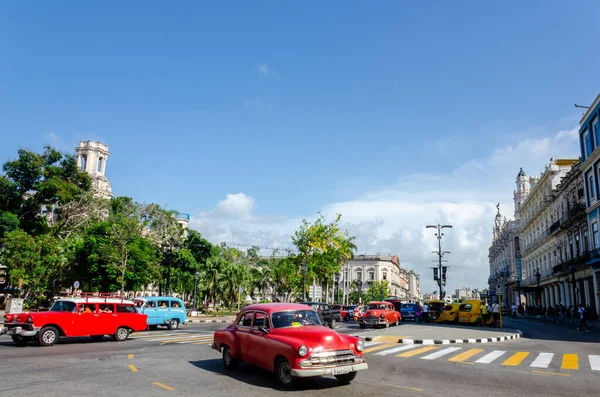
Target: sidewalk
x,y
442,334
592,325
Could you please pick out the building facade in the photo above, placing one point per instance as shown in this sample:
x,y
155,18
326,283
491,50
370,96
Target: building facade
x,y
414,287
589,139
91,158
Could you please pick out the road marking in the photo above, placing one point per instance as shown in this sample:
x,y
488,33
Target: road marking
x,y
418,351
441,353
158,337
570,361
374,348
543,360
195,340
133,368
395,349
515,359
142,349
594,362
130,357
188,339
389,338
155,335
169,388
459,358
198,343
369,344
548,373
490,357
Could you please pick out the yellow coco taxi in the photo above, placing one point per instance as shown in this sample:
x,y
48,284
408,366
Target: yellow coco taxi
x,y
474,312
435,308
449,314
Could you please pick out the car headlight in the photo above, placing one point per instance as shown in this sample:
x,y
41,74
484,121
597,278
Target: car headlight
x,y
302,350
30,320
360,345
382,316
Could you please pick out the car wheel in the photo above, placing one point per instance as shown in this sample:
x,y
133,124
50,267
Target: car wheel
x,y
387,323
397,322
346,378
283,373
121,334
48,336
152,327
332,324
173,324
228,361
97,338
20,340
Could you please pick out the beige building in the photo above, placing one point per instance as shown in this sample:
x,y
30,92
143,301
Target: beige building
x,y
91,158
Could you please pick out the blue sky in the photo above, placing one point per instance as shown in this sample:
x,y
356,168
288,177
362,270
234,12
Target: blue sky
x,y
296,106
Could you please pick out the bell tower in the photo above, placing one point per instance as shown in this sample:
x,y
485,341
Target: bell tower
x,y
522,191
91,158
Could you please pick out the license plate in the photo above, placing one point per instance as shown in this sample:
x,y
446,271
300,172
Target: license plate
x,y
462,318
341,371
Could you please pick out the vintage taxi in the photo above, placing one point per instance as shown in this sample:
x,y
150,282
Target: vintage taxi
x,y
473,312
449,314
380,313
289,340
76,317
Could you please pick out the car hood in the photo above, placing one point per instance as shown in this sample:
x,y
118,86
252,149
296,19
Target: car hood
x,y
315,337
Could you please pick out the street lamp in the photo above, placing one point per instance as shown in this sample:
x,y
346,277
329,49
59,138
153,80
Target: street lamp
x,y
168,251
195,289
440,253
303,266
337,294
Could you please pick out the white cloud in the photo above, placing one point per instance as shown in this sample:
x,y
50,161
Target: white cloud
x,y
392,220
264,70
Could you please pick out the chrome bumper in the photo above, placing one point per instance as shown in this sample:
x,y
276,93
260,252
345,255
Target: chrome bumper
x,y
339,370
371,321
21,331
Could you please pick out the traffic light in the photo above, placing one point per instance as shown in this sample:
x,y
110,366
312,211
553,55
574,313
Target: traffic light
x,y
3,275
435,274
444,272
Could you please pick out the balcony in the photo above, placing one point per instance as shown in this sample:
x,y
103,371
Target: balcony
x,y
555,226
574,215
574,263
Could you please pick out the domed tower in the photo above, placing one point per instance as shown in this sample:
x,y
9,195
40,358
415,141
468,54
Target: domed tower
x,y
522,191
91,158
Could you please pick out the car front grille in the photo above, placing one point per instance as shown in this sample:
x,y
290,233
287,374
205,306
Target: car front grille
x,y
330,358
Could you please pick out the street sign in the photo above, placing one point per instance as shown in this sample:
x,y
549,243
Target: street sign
x,y
315,292
498,286
76,284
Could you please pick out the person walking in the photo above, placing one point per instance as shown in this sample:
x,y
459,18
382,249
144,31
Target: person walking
x,y
496,314
582,322
514,309
425,313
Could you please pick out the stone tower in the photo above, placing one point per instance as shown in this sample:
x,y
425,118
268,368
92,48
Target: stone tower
x,y
522,191
91,158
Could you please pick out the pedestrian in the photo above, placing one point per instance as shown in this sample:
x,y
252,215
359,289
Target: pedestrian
x,y
496,314
582,322
514,311
425,313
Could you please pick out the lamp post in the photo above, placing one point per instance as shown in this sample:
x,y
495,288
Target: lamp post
x,y
337,290
538,276
303,267
195,289
168,251
440,253
346,285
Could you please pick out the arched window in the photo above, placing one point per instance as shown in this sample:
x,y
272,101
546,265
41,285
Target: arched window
x,y
359,275
371,274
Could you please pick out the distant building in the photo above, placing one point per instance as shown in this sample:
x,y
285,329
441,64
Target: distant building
x,y
430,297
91,158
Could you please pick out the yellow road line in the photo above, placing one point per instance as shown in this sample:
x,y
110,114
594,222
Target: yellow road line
x,y
411,353
515,359
133,368
143,349
549,373
379,347
570,361
130,357
459,358
169,388
388,338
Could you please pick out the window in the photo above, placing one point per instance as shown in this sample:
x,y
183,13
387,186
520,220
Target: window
x,y
63,306
592,187
586,243
359,275
107,308
100,164
83,162
246,319
151,304
175,304
595,130
163,304
371,274
385,275
126,309
595,235
261,319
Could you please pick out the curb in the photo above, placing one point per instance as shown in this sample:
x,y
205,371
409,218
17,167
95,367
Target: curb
x,y
496,339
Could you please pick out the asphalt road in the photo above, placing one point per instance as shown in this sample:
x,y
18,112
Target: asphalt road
x,y
162,362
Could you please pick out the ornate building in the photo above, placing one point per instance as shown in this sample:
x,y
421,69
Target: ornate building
x,y
91,158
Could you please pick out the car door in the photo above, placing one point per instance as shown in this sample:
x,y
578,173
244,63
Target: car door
x,y
152,312
163,311
242,331
86,320
107,323
257,346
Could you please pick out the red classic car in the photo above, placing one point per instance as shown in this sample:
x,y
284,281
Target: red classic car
x,y
94,317
344,312
380,313
288,339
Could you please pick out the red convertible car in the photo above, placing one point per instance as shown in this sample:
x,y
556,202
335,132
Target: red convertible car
x,y
289,339
380,313
82,316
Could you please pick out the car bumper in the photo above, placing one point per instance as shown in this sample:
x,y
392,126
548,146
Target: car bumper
x,y
339,370
371,321
20,331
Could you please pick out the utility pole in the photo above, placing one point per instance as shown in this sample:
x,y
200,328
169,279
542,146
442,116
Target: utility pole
x,y
441,271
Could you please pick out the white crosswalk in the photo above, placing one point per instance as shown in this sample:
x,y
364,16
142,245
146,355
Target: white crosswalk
x,y
173,337
534,360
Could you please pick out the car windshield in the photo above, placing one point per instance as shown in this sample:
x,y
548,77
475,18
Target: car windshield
x,y
139,303
408,306
295,318
63,306
377,306
448,308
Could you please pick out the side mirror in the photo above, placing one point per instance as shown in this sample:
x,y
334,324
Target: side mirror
x,y
263,329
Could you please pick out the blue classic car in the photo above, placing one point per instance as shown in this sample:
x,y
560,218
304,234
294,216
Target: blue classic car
x,y
162,310
410,311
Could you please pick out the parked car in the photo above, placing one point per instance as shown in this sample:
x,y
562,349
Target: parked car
x,y
380,313
344,312
329,317
81,316
351,309
410,311
288,339
449,314
165,311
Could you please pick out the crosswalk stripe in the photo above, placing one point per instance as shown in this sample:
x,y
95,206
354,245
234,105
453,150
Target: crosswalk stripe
x,y
369,344
543,360
162,339
418,351
515,359
594,362
380,347
465,355
490,357
200,343
158,335
570,361
193,338
395,350
441,353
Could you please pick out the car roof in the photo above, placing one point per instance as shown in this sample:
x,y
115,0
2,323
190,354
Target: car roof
x,y
379,303
276,307
95,300
156,297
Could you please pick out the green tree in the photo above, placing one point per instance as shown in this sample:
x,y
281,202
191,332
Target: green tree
x,y
378,291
